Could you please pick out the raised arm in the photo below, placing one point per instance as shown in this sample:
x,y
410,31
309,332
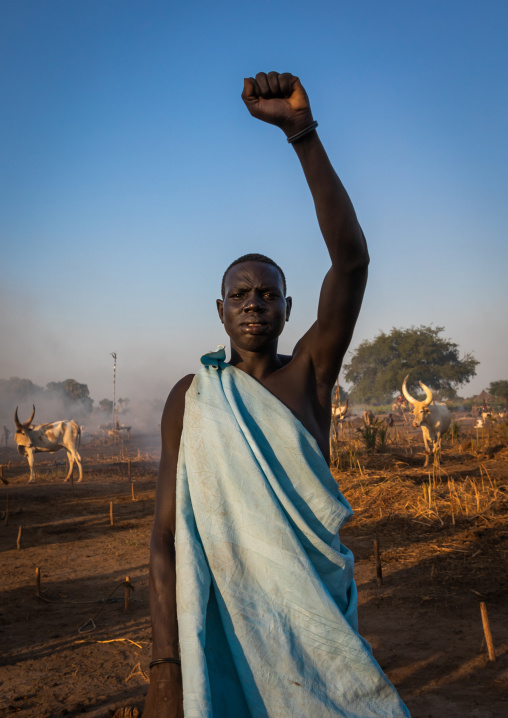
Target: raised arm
x,y
281,100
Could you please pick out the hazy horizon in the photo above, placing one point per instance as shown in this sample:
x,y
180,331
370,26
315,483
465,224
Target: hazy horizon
x,y
132,175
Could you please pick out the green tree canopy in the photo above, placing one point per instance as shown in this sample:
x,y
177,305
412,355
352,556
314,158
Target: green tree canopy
x,y
378,367
499,389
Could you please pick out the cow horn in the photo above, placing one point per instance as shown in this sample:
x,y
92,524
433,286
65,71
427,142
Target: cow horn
x,y
27,423
428,394
405,391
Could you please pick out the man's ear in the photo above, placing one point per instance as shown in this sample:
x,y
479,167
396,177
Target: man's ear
x,y
289,305
220,309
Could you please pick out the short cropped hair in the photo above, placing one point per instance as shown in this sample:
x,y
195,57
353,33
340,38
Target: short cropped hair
x,y
253,257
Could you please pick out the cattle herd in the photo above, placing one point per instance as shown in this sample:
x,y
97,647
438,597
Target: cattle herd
x,y
434,419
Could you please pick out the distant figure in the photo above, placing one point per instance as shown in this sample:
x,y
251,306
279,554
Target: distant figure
x,y
389,420
401,408
7,433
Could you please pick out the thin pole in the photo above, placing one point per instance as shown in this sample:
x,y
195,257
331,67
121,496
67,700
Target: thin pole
x,y
488,634
111,513
113,354
127,594
377,559
4,481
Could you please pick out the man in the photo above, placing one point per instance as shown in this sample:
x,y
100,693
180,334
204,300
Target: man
x,y
259,568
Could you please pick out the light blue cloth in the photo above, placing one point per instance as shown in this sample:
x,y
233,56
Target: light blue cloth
x,y
266,599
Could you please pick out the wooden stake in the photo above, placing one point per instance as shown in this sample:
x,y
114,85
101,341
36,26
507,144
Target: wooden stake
x,y
127,594
4,481
486,630
18,542
129,468
7,499
37,581
132,490
111,513
377,559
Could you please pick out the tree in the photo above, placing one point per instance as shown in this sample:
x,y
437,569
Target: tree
x,y
17,392
123,405
378,367
72,393
499,389
106,405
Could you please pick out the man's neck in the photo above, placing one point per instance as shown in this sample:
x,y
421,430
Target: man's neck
x,y
257,364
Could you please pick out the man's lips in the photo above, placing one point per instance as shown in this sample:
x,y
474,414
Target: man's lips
x,y
254,325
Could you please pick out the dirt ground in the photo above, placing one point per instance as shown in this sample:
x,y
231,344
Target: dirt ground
x,y
77,651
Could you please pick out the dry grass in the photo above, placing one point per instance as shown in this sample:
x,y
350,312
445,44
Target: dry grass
x,y
447,522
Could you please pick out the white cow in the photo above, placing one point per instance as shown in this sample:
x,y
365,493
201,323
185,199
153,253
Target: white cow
x,y
433,419
48,437
339,415
340,412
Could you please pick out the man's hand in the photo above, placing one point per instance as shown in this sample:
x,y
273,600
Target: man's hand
x,y
279,100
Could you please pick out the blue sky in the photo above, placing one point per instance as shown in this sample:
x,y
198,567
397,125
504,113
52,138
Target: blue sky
x,y
131,174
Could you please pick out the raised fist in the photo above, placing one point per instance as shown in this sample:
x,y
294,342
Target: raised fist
x,y
279,99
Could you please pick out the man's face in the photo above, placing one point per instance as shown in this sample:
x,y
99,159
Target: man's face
x,y
254,309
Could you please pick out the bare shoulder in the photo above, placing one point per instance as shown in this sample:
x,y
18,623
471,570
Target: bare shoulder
x,y
172,416
177,395
171,433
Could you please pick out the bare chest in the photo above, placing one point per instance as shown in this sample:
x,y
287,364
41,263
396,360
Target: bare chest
x,y
309,403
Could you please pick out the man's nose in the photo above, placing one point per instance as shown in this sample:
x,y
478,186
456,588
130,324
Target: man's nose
x,y
254,304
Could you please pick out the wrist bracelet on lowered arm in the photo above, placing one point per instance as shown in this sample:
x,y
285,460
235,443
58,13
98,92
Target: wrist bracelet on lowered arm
x,y
302,133
165,660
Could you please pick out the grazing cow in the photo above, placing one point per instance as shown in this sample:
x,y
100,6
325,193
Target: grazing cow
x,y
368,418
48,437
433,419
339,415
341,411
